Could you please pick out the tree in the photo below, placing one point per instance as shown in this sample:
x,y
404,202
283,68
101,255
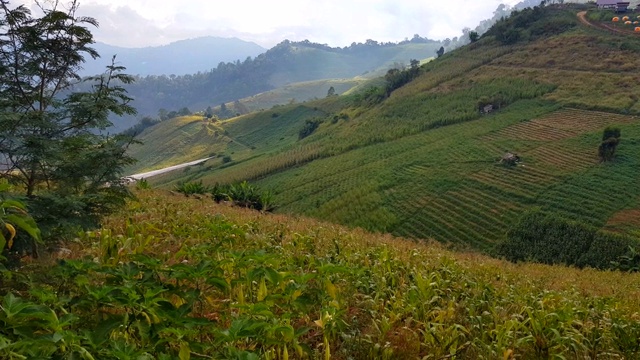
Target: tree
x,y
473,36
440,51
163,114
331,92
208,113
609,144
53,137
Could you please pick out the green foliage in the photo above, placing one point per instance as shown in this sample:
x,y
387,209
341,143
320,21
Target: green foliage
x,y
309,127
473,36
550,239
143,184
52,138
609,144
14,219
192,188
530,24
331,92
178,282
371,96
243,194
397,78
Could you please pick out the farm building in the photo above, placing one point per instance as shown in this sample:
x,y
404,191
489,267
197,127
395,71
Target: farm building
x,y
607,4
618,6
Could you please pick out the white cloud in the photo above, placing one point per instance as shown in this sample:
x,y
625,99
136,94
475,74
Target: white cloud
x,y
335,22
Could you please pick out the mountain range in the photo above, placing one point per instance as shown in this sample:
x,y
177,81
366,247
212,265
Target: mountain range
x,y
178,58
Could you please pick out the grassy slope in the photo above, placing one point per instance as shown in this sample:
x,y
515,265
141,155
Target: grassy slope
x,y
395,167
304,91
171,275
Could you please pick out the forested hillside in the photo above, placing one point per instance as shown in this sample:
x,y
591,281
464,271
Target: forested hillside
x,y
288,62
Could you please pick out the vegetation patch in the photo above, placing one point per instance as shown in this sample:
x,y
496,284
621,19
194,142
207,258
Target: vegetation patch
x,y
550,239
170,277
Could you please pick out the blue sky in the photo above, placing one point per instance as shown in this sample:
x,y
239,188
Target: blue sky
x,y
134,23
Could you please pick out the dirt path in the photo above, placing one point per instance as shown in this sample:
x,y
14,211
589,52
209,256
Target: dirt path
x,y
582,17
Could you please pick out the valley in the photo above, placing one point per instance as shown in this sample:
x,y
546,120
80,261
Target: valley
x,y
374,201
424,163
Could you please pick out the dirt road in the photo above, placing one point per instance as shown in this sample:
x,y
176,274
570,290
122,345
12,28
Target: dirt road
x,y
582,17
149,174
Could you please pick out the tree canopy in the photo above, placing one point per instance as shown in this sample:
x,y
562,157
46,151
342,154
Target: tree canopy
x,y
53,145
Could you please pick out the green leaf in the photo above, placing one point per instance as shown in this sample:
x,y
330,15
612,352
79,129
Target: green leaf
x,y
185,351
12,305
219,283
26,224
13,204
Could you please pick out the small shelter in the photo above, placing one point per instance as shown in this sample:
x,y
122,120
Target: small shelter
x,y
607,4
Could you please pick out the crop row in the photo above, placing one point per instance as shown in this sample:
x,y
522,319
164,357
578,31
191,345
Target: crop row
x,y
561,125
563,157
470,214
447,184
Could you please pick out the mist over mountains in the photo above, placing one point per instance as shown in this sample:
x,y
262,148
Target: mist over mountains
x,y
178,58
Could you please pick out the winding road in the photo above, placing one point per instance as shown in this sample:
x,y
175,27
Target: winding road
x,y
149,174
582,17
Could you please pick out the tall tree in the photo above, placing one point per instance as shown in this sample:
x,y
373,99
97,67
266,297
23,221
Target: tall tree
x,y
609,144
51,137
331,92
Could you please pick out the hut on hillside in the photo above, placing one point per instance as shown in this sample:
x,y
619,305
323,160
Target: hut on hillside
x,y
617,5
607,4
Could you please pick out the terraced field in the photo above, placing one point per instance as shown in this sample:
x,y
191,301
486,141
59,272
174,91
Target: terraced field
x,y
437,185
424,162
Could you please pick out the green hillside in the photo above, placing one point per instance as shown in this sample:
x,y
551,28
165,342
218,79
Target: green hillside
x,y
286,63
424,162
171,277
298,92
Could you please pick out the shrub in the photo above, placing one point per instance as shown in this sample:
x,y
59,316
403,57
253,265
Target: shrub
x,y
143,184
192,188
309,127
243,194
609,144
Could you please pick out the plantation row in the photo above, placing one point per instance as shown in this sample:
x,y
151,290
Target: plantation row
x,y
561,125
433,186
171,277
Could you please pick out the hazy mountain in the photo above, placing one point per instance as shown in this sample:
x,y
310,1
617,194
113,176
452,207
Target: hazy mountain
x,y
178,58
286,63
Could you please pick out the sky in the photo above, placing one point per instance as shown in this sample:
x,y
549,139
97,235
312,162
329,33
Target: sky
x,y
140,23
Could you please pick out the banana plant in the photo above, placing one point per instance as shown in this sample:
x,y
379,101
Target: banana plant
x,y
14,217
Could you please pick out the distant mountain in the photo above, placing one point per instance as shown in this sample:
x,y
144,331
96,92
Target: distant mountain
x,y
286,63
178,58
